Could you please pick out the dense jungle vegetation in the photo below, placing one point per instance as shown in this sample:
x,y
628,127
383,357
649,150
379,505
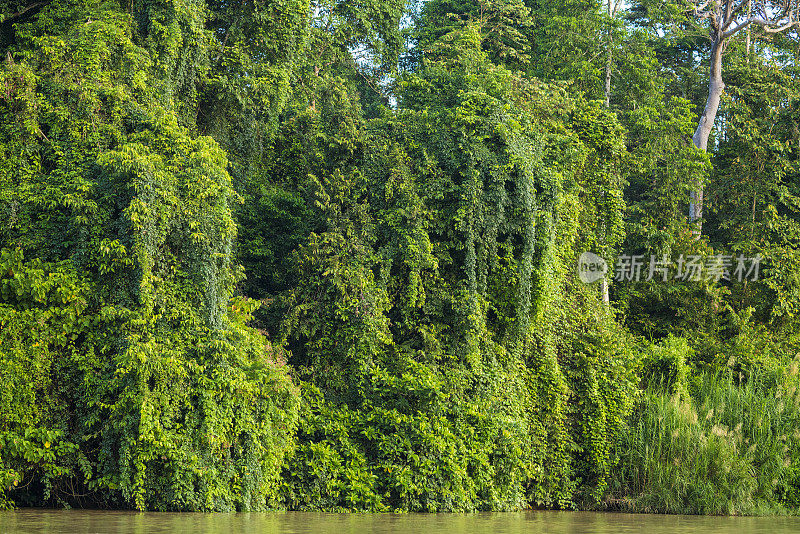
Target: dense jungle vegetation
x,y
260,254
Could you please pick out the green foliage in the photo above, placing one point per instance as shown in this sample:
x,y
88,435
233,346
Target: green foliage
x,y
252,54
41,316
754,191
565,43
727,450
665,366
260,255
424,304
135,379
504,26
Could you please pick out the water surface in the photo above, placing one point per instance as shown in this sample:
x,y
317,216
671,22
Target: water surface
x,y
79,522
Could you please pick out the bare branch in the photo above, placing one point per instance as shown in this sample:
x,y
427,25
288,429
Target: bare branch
x,y
777,25
728,12
736,29
790,24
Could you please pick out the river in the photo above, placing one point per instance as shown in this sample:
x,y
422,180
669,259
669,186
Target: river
x,y
29,521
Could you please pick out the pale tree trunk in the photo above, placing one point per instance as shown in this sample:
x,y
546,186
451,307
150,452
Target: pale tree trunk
x,y
749,14
608,73
612,5
604,291
612,8
715,88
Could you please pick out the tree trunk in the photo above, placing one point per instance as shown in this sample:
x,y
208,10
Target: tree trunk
x,y
604,280
609,64
608,73
612,10
749,14
715,88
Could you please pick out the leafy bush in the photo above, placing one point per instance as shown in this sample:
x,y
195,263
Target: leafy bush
x,y
664,367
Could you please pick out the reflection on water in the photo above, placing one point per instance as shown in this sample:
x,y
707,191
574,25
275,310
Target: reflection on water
x,y
58,521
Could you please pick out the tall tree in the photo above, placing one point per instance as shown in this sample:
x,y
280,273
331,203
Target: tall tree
x,y
725,19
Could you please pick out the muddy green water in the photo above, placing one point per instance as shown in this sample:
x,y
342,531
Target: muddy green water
x,y
78,522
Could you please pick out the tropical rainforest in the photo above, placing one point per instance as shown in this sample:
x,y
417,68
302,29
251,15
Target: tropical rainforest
x,y
323,255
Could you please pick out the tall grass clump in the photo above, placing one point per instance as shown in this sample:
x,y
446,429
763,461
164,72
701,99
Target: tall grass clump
x,y
720,443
